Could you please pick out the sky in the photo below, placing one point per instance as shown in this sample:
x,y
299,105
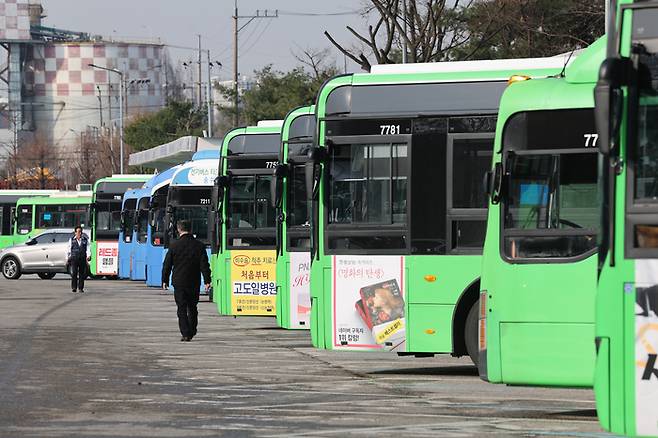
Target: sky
x,y
262,42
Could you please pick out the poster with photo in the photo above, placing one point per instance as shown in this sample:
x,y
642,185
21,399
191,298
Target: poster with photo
x,y
107,258
300,289
646,346
253,282
368,303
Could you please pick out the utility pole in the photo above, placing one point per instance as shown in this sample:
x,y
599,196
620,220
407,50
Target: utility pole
x,y
122,90
209,94
199,70
236,31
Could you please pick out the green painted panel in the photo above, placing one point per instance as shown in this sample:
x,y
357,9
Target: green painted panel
x,y
440,279
547,354
429,327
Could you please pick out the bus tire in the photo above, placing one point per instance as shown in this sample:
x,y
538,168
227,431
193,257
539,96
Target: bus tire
x,y
11,268
471,332
46,275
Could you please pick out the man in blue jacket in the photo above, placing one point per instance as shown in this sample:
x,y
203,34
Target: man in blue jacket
x,y
78,255
188,259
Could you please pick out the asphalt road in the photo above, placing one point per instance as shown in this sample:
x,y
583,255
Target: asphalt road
x,y
109,363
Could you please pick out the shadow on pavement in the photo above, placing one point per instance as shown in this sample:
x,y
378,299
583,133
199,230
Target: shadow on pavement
x,y
459,370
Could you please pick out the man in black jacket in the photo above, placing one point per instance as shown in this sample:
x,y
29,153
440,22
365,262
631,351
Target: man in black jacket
x,y
78,255
187,256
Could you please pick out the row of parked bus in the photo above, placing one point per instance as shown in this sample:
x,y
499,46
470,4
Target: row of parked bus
x,y
29,214
493,209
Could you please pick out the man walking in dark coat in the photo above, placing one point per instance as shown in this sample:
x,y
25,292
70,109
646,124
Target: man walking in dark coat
x,y
187,256
78,256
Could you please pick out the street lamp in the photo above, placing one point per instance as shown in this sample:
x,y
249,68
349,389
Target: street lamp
x,y
121,91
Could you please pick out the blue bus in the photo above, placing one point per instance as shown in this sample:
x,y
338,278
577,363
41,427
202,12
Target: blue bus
x,y
149,244
189,197
127,232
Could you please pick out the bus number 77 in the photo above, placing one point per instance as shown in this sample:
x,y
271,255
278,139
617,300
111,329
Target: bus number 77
x,y
590,140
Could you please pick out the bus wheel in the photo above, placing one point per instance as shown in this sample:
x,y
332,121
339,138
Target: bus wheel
x,y
471,332
46,275
11,269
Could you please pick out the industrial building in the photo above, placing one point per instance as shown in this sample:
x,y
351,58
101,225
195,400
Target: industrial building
x,y
50,94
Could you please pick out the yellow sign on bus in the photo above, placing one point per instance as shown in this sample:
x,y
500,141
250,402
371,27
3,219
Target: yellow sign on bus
x,y
253,282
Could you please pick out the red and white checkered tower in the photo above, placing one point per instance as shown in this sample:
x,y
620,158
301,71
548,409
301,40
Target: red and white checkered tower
x,y
48,89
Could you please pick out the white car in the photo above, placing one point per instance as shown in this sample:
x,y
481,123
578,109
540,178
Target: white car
x,y
45,255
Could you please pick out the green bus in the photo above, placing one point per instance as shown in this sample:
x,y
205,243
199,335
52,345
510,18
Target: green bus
x,y
293,261
626,377
539,260
107,197
399,206
8,199
243,259
40,213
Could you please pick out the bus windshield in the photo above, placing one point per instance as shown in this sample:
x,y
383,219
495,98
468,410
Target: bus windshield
x,y
193,204
251,216
24,219
198,217
551,209
108,217
61,216
249,203
128,223
298,207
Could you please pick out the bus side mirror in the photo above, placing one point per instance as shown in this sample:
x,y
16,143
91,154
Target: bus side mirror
x,y
494,182
316,156
276,184
608,102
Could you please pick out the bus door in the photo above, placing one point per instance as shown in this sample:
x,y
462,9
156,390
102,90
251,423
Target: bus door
x,y
366,229
468,159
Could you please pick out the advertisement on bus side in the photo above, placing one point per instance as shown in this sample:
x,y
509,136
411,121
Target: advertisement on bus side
x,y
107,258
368,303
646,347
253,282
300,290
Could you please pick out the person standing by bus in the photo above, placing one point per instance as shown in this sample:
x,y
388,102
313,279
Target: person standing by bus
x,y
188,259
78,255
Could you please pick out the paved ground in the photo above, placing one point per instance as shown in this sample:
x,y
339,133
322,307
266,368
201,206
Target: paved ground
x,y
109,363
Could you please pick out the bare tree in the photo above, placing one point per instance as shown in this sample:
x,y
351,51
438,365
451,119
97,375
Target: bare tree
x,y
431,30
317,61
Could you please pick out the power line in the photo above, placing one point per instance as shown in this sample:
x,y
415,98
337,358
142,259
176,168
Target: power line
x,y
245,51
319,14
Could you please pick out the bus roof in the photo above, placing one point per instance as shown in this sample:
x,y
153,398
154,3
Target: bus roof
x,y
158,181
270,123
196,173
206,154
492,65
289,131
52,200
574,90
122,178
238,146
